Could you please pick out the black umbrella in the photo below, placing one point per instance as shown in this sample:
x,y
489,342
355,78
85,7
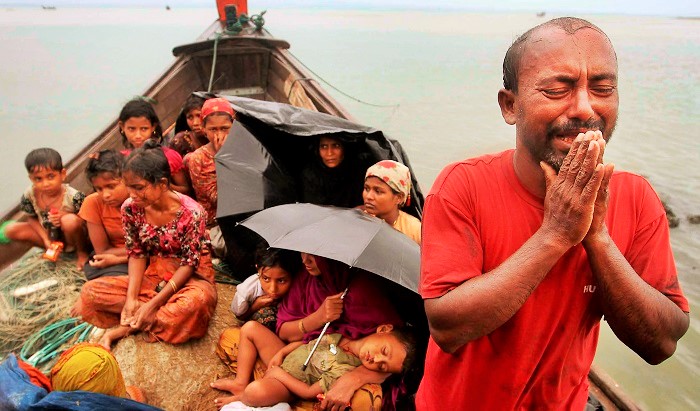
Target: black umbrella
x,y
342,234
259,165
248,177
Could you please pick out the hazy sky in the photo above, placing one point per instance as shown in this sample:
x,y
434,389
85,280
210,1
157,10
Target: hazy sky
x,y
648,7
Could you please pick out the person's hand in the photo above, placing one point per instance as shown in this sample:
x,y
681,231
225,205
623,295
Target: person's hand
x,y
129,310
144,317
571,194
54,217
274,372
218,141
598,226
276,360
339,396
331,308
103,260
262,301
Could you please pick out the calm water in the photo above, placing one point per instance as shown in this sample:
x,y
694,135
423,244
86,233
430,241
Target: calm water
x,y
66,74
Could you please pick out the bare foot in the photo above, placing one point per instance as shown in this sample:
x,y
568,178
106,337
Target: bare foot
x,y
77,309
82,259
232,385
135,393
113,335
221,401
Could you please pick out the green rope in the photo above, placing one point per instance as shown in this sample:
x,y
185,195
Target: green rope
x,y
258,20
213,62
52,339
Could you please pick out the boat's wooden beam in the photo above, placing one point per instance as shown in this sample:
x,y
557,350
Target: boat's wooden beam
x,y
207,46
612,390
323,101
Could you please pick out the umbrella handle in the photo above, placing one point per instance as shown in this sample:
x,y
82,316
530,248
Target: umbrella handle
x,y
313,349
318,340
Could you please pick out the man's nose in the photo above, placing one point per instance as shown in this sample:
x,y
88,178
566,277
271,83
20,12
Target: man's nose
x,y
581,107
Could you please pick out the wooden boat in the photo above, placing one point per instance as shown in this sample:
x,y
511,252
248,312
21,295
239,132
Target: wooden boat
x,y
252,64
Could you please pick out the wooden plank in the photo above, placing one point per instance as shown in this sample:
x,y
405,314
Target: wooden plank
x,y
225,42
277,84
611,389
321,99
276,95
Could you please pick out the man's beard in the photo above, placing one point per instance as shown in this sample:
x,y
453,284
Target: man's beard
x,y
553,157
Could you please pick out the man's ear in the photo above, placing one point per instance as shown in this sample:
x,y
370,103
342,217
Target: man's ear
x,y
384,328
506,100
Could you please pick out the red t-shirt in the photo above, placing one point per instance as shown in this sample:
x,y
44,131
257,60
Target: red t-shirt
x,y
174,158
476,216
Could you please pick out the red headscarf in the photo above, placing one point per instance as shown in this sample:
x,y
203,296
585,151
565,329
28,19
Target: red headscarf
x,y
216,105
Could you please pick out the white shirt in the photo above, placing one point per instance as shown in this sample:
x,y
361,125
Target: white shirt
x,y
246,293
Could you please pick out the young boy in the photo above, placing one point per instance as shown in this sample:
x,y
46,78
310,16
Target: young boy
x,y
217,118
257,297
388,351
50,203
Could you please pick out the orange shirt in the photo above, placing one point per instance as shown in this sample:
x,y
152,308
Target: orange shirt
x,y
95,211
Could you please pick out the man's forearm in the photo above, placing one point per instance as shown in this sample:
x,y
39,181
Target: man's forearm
x,y
483,303
641,316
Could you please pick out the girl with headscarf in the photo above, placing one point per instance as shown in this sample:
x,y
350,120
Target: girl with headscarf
x,y
387,189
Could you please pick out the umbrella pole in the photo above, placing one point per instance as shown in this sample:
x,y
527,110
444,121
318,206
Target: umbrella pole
x,y
318,340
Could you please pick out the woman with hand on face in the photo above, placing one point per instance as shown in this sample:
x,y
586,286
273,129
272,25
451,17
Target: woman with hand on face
x,y
387,189
217,118
169,292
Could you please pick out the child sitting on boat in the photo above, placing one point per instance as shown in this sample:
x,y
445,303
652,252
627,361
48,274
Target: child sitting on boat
x,y
50,204
169,293
138,122
387,351
190,139
217,119
257,297
102,212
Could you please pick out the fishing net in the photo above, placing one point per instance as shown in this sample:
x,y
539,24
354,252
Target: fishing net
x,y
34,293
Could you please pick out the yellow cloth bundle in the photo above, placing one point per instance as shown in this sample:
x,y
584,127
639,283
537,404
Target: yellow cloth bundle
x,y
88,367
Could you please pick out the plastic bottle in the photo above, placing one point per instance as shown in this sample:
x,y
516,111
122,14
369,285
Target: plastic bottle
x,y
54,251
